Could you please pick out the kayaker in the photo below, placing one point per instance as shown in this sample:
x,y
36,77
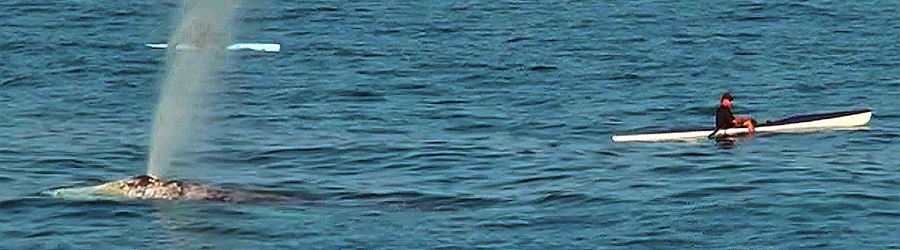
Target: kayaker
x,y
725,119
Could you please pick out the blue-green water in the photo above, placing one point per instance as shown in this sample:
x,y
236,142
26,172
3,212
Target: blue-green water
x,y
461,125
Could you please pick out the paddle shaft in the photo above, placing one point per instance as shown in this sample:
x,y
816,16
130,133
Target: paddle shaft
x,y
710,136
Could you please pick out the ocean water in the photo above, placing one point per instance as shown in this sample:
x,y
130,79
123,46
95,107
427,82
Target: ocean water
x,y
460,125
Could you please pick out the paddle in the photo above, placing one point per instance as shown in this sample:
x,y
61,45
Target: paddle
x,y
710,136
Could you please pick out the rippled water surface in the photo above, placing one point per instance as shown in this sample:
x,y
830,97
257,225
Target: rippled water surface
x,y
461,124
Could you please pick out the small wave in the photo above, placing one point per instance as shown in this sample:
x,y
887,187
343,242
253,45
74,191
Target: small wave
x,y
421,201
505,223
543,178
542,68
607,153
885,213
359,95
645,185
562,198
864,196
654,241
446,102
295,150
470,127
712,191
689,154
389,195
9,206
775,180
726,167
673,169
64,209
440,155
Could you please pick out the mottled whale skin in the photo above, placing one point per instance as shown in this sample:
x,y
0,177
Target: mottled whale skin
x,y
144,187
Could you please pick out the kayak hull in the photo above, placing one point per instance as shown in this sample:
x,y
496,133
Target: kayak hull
x,y
264,47
805,123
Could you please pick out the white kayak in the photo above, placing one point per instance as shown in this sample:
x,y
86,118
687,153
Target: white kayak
x,y
264,47
802,123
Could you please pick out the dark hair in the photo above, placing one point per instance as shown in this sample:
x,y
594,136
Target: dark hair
x,y
727,96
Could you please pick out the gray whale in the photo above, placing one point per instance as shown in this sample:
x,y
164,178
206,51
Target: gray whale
x,y
148,187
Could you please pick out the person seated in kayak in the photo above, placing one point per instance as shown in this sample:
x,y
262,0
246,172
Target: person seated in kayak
x,y
725,119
